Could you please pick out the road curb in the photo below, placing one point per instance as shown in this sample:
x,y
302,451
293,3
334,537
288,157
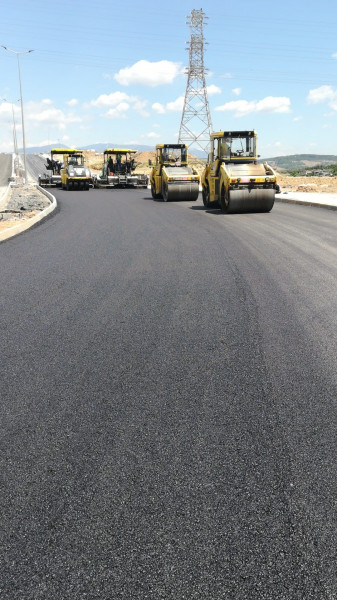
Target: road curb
x,y
306,203
13,231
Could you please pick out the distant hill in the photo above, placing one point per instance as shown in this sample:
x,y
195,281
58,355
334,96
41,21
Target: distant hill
x,y
300,161
101,147
291,162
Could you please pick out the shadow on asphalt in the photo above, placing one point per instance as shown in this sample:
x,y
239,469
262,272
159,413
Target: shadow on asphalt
x,y
213,211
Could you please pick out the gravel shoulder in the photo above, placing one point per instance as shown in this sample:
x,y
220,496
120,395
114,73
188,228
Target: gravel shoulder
x,y
23,202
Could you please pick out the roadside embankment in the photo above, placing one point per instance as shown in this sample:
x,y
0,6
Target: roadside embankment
x,y
23,206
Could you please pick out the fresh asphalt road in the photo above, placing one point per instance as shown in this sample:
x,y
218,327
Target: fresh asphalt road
x,y
167,402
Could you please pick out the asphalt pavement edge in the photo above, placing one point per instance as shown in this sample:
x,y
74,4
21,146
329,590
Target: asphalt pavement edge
x,y
306,202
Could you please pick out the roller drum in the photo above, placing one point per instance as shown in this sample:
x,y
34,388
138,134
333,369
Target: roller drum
x,y
183,191
250,200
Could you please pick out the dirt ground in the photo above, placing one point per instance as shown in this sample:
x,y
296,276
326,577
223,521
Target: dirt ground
x,y
307,184
14,220
287,183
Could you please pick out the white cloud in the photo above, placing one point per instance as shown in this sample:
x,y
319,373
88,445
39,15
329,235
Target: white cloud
x,y
139,106
325,93
158,108
116,102
176,105
72,102
148,73
334,55
274,104
321,94
227,76
236,91
119,111
213,89
270,104
297,119
43,142
109,99
106,76
152,135
6,110
38,113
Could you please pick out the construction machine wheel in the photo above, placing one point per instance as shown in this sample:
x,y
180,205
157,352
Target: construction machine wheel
x,y
206,200
205,196
247,200
153,192
165,192
68,185
177,191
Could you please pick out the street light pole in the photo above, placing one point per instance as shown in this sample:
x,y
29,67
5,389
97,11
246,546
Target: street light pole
x,y
22,118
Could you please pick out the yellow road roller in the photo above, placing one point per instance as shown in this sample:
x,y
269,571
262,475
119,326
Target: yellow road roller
x,y
172,178
75,174
233,179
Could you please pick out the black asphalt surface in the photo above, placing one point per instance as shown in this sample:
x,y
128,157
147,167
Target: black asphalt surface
x,y
168,403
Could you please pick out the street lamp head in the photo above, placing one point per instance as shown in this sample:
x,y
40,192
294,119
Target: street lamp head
x,y
16,51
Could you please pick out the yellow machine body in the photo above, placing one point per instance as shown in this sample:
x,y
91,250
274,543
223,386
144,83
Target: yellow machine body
x,y
172,178
233,179
52,176
75,174
117,170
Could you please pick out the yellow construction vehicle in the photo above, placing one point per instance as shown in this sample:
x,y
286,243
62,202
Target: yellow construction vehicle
x,y
233,179
171,177
74,173
53,177
117,170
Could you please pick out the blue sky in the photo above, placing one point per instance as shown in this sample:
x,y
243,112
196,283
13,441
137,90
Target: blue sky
x,y
113,71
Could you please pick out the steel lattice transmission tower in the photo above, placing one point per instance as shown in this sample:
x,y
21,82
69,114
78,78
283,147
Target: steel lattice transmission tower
x,y
196,124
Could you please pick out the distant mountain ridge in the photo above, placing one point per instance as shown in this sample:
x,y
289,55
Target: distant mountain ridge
x,y
287,163
100,147
300,161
